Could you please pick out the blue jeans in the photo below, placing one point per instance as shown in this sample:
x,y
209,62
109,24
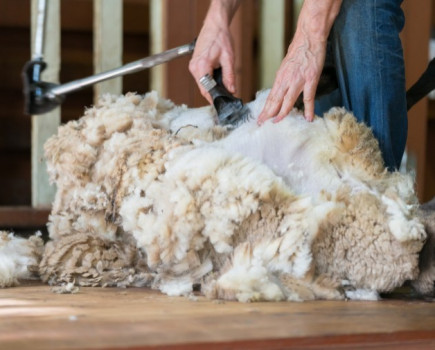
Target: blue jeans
x,y
366,51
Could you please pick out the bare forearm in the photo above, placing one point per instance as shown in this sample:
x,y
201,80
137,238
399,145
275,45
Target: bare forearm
x,y
317,17
221,12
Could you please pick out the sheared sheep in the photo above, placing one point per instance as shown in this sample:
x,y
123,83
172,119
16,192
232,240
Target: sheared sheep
x,y
158,195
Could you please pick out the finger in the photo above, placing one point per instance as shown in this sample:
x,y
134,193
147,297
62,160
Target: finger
x,y
287,104
198,68
272,105
309,96
228,74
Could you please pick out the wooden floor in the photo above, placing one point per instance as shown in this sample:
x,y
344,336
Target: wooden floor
x,y
33,317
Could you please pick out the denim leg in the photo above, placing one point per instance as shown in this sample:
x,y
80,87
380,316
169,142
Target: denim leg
x,y
368,56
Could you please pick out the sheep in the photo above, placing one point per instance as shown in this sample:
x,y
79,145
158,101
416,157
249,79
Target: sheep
x,y
158,195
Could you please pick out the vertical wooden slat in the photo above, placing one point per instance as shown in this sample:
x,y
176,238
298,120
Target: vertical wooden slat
x,y
157,43
182,27
415,39
107,43
272,39
43,126
243,29
175,23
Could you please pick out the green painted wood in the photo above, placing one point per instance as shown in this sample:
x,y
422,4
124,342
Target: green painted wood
x,y
272,40
43,126
108,43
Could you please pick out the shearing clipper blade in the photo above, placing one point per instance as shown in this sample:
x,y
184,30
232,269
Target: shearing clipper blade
x,y
230,109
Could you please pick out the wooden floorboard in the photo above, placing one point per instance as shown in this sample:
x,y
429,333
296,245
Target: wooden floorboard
x,y
33,317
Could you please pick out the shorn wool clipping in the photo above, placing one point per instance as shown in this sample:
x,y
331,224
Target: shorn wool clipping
x,y
158,195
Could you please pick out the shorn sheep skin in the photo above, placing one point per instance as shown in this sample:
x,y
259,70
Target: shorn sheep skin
x,y
158,195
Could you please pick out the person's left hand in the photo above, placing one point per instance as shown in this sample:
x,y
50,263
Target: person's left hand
x,y
299,72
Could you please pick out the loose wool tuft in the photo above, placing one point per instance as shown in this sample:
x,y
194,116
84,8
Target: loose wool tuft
x,y
19,258
158,195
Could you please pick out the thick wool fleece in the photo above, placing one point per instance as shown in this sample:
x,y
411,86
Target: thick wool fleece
x,y
280,212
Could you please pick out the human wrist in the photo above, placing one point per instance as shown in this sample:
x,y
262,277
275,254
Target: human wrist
x,y
317,17
221,12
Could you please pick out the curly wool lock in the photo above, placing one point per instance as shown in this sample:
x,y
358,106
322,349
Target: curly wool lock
x,y
153,194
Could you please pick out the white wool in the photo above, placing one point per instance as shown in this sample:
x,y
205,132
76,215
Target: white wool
x,y
201,118
15,256
402,225
176,287
239,212
249,278
299,159
362,294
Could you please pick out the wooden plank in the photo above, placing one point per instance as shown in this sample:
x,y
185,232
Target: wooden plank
x,y
32,317
415,38
272,40
183,26
157,20
44,126
243,28
173,26
15,13
107,44
16,181
18,217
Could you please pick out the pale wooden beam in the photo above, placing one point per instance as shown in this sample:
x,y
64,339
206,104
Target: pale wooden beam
x,y
158,28
108,43
44,126
272,40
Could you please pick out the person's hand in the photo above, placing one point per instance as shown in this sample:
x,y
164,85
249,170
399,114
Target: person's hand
x,y
214,46
301,68
213,49
299,72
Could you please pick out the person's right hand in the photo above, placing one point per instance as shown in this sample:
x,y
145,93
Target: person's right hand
x,y
214,49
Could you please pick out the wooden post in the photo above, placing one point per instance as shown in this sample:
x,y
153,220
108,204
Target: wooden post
x,y
107,44
243,29
415,38
44,126
157,22
272,40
